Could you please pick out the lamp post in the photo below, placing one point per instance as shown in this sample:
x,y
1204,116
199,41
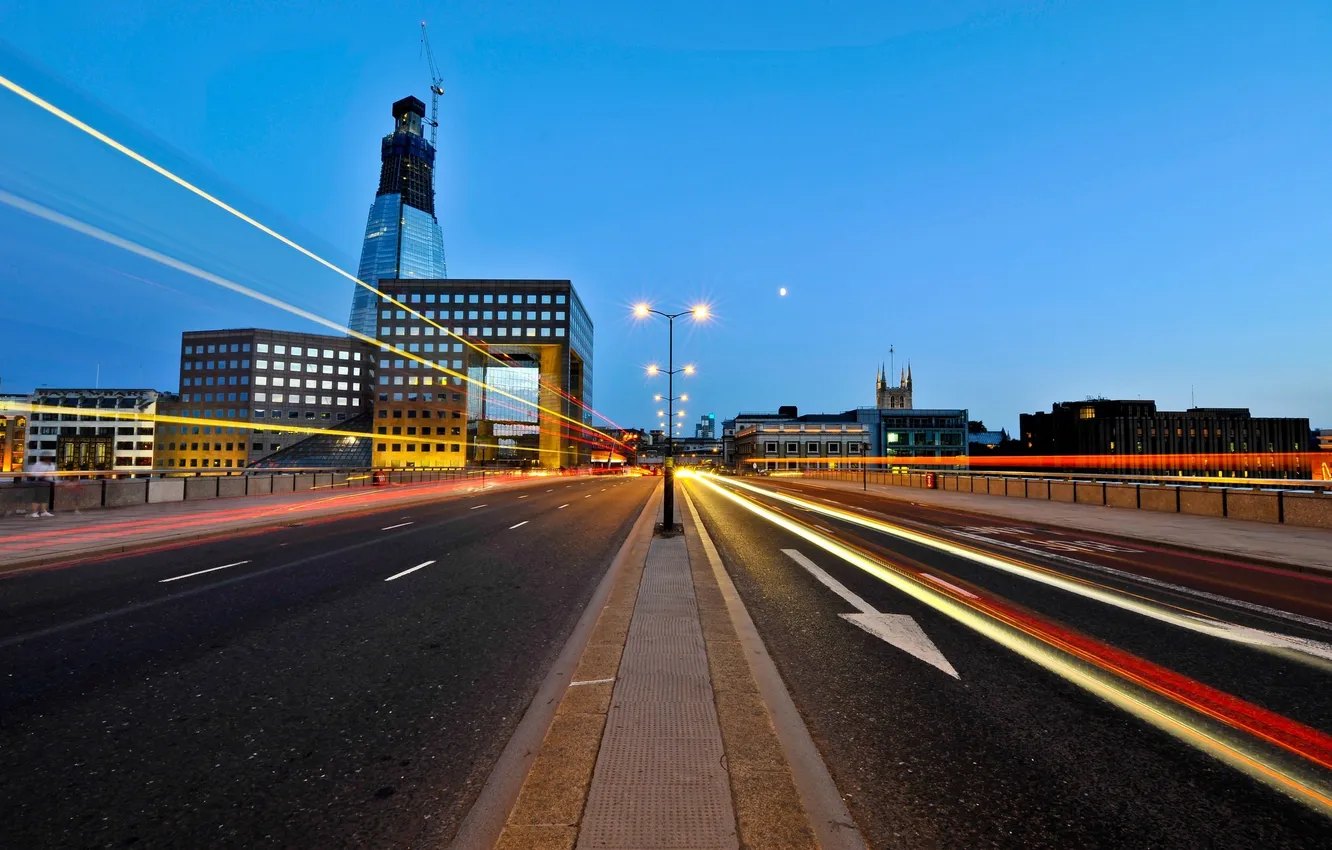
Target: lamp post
x,y
700,312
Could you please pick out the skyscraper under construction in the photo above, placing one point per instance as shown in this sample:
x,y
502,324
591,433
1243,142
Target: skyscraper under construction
x,y
402,235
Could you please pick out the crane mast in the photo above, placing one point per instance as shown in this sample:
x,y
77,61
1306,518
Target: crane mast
x,y
436,85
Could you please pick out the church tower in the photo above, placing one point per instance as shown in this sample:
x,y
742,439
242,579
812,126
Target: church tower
x,y
893,398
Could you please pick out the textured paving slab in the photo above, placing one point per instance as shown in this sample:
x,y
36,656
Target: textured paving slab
x,y
660,779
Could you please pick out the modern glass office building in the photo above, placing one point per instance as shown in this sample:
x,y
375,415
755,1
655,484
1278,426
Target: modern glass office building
x,y
525,348
402,236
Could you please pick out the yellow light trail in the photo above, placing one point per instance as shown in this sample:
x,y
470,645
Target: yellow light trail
x,y
56,111
1303,785
1171,614
97,233
247,425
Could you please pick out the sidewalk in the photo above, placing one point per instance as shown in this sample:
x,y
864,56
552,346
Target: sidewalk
x,y
26,542
662,739
1285,544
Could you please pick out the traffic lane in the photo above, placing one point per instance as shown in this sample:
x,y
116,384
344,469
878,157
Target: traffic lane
x,y
99,646
1294,684
363,719
34,599
1274,585
1007,755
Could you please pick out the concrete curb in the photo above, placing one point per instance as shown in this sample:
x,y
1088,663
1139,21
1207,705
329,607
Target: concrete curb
x,y
831,821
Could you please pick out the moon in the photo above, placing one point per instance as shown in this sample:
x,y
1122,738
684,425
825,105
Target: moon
x,y
782,291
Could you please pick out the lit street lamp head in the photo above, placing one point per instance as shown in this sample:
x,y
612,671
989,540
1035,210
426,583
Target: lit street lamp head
x,y
652,370
641,311
656,398
684,398
701,312
689,370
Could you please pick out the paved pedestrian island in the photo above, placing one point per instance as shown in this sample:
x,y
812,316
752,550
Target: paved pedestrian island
x,y
662,739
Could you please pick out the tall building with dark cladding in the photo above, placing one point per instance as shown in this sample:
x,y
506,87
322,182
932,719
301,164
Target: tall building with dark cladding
x,y
402,235
525,347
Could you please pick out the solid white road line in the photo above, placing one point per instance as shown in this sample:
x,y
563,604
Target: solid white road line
x,y
476,507
524,522
563,506
412,570
201,572
391,527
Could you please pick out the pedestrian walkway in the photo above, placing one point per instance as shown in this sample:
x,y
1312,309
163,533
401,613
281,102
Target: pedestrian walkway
x,y
26,542
1285,544
662,739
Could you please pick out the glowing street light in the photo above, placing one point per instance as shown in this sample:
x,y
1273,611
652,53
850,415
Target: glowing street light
x,y
700,312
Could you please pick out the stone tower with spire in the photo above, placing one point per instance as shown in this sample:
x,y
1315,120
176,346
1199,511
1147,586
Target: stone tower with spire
x,y
893,398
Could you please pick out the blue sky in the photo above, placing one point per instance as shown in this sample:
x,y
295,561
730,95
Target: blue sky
x,y
1032,201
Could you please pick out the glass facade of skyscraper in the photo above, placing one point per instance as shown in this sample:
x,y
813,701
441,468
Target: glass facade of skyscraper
x,y
402,236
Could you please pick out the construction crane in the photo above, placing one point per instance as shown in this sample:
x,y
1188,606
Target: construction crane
x,y
436,85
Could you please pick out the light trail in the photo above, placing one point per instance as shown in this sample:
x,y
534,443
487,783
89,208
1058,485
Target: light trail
x,y
1173,615
97,233
82,126
1103,672
250,426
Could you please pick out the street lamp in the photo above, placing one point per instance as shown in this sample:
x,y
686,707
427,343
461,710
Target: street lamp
x,y
700,313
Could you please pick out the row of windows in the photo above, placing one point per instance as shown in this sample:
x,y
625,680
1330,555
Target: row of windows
x,y
209,397
400,330
220,348
200,365
473,298
381,413
311,368
411,430
295,398
425,447
310,383
222,380
485,315
812,448
216,463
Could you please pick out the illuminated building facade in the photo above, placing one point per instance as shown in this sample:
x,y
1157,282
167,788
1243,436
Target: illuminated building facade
x,y
535,351
1227,441
231,380
402,235
800,444
13,434
706,429
83,435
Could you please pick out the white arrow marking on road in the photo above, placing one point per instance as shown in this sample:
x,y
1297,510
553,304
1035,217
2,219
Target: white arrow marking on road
x,y
900,630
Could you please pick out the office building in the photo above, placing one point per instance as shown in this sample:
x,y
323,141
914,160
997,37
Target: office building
x,y
13,431
1133,436
94,430
402,235
806,442
525,347
235,380
916,432
706,429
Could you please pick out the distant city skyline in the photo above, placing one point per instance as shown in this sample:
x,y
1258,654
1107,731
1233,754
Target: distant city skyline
x,y
1034,204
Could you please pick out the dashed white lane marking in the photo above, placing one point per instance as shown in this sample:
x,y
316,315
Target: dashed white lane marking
x,y
522,497
551,490
391,527
591,682
950,586
201,572
603,489
412,570
524,522
561,507
476,507
588,496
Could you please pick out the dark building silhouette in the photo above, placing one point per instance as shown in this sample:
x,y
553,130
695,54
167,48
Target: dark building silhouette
x,y
1135,437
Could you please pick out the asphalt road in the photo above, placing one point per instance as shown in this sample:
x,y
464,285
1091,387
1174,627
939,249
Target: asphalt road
x,y
302,687
1009,754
